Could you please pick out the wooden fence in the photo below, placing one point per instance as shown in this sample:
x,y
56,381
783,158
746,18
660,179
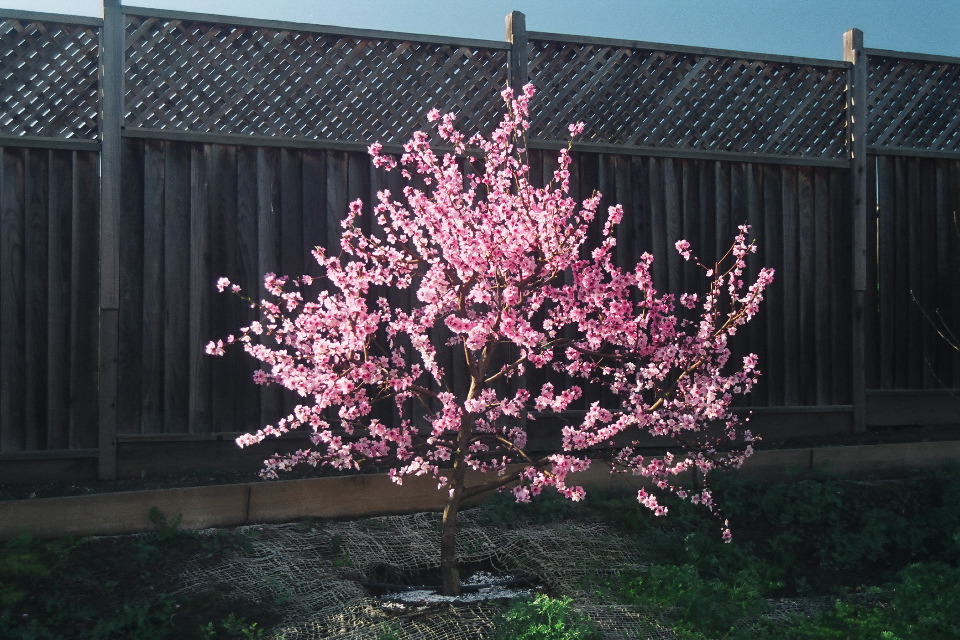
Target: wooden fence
x,y
224,146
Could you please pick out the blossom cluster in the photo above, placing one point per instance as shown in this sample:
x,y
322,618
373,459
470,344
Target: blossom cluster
x,y
494,269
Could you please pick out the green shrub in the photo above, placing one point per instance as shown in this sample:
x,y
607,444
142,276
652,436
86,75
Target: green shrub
x,y
820,533
698,607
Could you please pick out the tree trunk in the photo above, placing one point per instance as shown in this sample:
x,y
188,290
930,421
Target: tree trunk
x,y
449,563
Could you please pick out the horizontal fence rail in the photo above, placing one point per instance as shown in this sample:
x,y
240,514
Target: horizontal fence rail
x,y
241,143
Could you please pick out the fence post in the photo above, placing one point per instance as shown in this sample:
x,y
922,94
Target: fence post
x,y
857,140
111,115
517,36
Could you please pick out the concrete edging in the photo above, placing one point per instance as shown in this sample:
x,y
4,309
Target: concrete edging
x,y
367,495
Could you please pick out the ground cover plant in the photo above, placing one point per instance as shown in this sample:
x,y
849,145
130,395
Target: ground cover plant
x,y
117,588
474,301
884,555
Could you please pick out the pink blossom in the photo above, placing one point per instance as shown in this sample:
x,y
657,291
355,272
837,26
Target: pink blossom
x,y
503,281
215,348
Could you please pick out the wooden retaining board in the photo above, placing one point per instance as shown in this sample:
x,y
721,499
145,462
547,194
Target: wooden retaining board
x,y
369,495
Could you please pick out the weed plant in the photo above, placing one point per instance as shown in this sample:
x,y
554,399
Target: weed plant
x,y
544,618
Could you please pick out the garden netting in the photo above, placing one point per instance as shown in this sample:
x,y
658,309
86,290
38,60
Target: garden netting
x,y
317,571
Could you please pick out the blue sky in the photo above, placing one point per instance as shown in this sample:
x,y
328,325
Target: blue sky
x,y
807,28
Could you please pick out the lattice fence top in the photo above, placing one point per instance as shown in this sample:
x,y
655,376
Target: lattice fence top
x,y
48,79
233,79
689,101
914,104
186,73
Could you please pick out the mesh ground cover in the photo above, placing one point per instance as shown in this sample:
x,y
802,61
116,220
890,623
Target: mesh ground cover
x,y
315,569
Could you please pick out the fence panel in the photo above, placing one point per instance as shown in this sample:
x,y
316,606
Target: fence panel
x,y
797,215
245,220
197,212
692,141
48,299
917,273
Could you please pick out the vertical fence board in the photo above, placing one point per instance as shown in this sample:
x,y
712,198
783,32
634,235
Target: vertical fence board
x,y
755,337
952,210
887,233
871,321
152,372
337,197
292,240
12,321
943,303
658,232
248,273
743,341
738,200
201,292
927,271
901,283
314,200
606,184
176,289
913,261
587,176
626,248
822,268
790,283
721,213
59,241
228,373
840,282
268,251
130,367
672,226
85,302
771,252
807,282
35,291
690,190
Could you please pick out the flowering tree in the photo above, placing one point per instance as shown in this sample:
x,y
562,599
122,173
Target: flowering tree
x,y
502,278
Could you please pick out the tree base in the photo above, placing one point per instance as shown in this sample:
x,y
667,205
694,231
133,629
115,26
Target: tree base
x,y
480,582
